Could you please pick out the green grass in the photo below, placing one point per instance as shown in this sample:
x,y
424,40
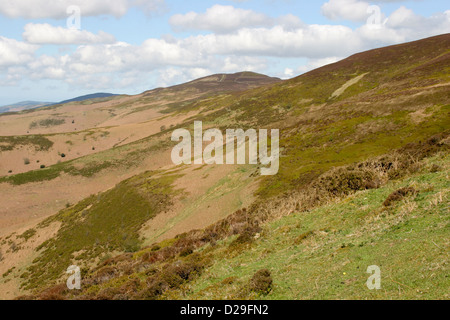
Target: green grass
x,y
324,253
28,234
317,148
50,173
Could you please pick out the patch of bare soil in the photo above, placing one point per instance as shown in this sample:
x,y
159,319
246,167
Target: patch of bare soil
x,y
26,204
211,193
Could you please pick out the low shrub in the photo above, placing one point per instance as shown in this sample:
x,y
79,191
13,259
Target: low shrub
x,y
105,274
261,282
228,281
435,168
155,288
187,251
342,181
399,195
247,235
303,237
57,292
155,247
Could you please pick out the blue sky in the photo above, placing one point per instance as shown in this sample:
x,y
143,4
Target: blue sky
x,y
129,46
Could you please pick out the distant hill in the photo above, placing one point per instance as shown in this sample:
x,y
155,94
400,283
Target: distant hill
x,y
211,84
222,83
89,97
28,105
24,105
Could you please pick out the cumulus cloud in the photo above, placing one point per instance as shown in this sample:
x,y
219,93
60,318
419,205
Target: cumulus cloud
x,y
14,56
47,34
404,25
228,19
41,9
309,41
353,10
171,75
219,19
13,52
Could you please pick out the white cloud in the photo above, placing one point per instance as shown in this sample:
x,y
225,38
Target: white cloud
x,y
13,52
171,75
41,9
317,63
353,10
47,34
48,67
150,6
310,41
236,63
404,25
220,19
288,73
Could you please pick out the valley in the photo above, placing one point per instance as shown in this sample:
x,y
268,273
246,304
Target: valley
x,y
92,183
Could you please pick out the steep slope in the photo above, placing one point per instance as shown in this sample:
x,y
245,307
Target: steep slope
x,y
351,218
325,253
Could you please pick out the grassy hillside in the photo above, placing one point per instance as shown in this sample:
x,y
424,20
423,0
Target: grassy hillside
x,y
314,244
324,253
318,223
